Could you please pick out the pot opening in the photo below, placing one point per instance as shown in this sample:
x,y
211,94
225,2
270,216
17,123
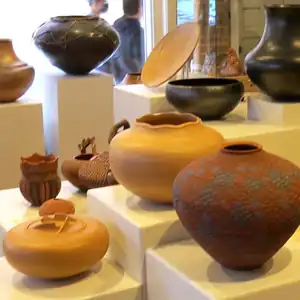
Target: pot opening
x,y
86,156
203,82
134,74
73,18
165,119
242,148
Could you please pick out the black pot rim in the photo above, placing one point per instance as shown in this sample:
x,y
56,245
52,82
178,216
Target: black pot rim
x,y
289,6
77,18
192,82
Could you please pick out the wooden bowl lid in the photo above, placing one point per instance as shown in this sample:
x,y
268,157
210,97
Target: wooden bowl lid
x,y
170,54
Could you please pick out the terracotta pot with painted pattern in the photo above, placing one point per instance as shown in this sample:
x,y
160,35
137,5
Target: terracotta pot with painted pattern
x,y
39,181
240,204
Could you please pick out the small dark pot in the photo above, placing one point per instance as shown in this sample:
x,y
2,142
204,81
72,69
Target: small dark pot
x,y
207,98
274,65
77,44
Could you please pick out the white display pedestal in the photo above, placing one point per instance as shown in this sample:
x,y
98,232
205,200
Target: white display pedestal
x,y
74,107
184,271
134,101
105,282
134,226
259,109
21,133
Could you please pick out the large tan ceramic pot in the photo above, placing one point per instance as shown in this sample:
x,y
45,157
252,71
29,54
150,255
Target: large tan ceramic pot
x,y
146,158
57,246
16,77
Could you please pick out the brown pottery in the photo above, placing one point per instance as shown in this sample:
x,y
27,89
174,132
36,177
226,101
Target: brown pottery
x,y
39,181
56,206
16,77
57,246
70,167
146,158
97,172
241,204
132,78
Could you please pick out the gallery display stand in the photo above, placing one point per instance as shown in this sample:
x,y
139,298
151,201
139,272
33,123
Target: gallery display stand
x,y
74,107
21,133
260,108
133,101
105,281
184,271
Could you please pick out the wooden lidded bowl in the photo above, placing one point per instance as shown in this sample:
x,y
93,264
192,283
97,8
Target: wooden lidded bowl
x,y
57,246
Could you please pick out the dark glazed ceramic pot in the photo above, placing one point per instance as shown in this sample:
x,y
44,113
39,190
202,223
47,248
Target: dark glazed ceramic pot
x,y
39,181
77,44
274,65
241,204
207,98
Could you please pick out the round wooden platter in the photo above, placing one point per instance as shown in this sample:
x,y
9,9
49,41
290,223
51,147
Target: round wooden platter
x,y
170,54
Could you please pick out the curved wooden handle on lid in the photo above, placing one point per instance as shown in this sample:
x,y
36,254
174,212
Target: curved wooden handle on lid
x,y
56,222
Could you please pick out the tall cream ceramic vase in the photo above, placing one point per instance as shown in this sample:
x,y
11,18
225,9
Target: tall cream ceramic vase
x,y
146,158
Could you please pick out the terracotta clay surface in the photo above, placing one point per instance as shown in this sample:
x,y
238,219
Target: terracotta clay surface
x,y
240,204
146,158
16,77
39,181
57,246
170,54
70,167
56,206
97,172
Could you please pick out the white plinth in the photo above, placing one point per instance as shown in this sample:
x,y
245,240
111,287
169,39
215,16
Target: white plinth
x,y
105,282
74,107
134,226
185,271
21,134
278,139
133,101
14,209
259,109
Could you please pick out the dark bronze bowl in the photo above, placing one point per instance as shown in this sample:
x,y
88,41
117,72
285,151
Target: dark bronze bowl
x,y
207,98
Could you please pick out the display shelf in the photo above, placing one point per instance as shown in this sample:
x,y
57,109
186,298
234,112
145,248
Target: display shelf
x,y
133,101
134,226
184,271
104,282
74,107
278,139
21,135
261,109
14,209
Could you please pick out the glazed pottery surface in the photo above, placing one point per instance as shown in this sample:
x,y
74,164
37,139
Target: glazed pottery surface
x,y
77,44
207,98
70,167
56,206
146,158
132,78
240,204
57,246
39,181
170,54
16,77
274,65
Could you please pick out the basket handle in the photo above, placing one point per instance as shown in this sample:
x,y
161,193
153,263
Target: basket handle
x,y
123,124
